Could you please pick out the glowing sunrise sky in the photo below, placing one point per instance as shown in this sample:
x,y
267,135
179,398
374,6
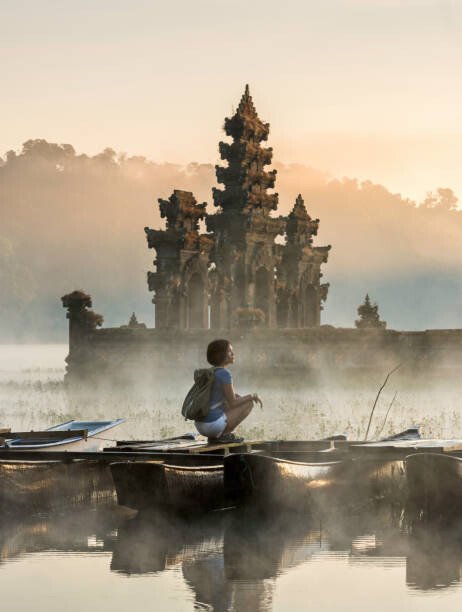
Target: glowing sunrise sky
x,y
365,88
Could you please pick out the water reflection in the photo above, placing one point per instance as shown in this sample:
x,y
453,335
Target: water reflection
x,y
434,559
232,560
236,560
79,531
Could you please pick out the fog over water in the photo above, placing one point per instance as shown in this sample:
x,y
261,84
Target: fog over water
x,y
32,395
105,558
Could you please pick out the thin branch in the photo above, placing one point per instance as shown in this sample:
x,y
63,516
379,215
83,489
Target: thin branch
x,y
377,398
386,416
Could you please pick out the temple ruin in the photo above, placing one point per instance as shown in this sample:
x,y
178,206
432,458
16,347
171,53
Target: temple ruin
x,y
247,274
237,274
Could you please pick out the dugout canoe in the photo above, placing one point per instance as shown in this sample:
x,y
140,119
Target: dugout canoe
x,y
40,486
194,482
304,480
307,485
434,483
290,473
195,485
271,482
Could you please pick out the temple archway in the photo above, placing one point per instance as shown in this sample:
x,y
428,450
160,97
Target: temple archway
x,y
262,291
310,307
196,302
239,287
282,309
293,312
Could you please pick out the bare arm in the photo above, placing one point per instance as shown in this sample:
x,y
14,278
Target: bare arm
x,y
234,401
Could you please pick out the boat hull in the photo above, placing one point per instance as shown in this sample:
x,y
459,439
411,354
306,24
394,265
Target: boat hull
x,y
40,486
149,485
435,486
271,482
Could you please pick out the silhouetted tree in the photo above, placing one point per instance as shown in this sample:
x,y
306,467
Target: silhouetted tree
x,y
443,199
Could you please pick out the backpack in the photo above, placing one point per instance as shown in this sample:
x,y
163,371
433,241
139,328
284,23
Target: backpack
x,y
196,405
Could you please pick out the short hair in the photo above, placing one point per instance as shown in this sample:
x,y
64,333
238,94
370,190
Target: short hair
x,y
217,351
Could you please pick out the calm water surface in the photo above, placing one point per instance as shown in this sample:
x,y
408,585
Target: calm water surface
x,y
101,559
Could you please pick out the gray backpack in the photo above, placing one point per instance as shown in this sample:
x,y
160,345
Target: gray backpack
x,y
196,405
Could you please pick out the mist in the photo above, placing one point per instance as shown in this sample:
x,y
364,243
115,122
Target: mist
x,y
70,220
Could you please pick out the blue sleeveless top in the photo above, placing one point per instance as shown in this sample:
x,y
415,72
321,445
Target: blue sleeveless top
x,y
222,375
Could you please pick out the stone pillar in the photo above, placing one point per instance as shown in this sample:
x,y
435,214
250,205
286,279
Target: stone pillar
x,y
82,322
219,310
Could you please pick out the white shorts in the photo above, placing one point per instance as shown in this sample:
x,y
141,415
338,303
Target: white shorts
x,y
213,429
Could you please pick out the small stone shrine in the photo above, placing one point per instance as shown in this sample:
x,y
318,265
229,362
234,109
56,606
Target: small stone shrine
x,y
369,317
237,274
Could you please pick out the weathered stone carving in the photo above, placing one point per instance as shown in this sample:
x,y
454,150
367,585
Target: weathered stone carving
x,y
237,267
180,282
81,319
300,295
82,323
369,316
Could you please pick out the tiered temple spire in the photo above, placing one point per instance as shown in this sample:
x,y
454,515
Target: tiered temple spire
x,y
238,269
244,178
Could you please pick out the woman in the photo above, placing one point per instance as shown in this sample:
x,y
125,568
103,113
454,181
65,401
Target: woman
x,y
227,409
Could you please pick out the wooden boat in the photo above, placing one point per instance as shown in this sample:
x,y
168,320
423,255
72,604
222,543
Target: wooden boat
x,y
73,436
196,481
312,480
308,485
434,483
295,474
166,484
39,486
275,481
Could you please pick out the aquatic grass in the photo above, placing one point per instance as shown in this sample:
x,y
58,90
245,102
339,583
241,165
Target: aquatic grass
x,y
31,402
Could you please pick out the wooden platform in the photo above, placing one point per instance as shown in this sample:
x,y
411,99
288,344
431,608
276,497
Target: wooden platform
x,y
197,450
195,445
200,445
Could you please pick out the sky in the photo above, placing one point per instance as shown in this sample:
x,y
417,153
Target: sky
x,y
360,88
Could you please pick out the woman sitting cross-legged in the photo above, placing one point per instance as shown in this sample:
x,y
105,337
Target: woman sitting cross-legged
x,y
227,409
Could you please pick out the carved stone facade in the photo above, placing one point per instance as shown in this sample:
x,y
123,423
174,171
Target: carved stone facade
x,y
180,282
237,273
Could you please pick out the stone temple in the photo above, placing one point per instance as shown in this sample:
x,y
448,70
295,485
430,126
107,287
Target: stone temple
x,y
237,274
247,274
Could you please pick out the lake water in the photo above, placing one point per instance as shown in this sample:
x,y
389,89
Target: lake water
x,y
105,558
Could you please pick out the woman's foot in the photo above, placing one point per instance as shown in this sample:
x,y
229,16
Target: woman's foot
x,y
225,438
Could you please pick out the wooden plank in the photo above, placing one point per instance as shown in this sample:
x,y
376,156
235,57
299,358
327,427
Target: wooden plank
x,y
197,446
4,430
391,453
49,435
18,455
179,439
162,448
246,445
423,444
